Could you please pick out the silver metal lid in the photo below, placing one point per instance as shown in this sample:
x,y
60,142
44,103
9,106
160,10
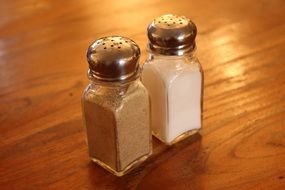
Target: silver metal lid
x,y
114,59
171,35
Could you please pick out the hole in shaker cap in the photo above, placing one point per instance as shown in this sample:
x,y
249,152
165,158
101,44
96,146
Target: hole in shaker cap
x,y
105,48
112,45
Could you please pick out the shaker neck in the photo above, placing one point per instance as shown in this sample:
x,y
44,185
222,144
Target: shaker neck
x,y
126,83
188,55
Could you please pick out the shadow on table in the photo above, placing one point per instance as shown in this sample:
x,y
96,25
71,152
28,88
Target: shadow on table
x,y
102,179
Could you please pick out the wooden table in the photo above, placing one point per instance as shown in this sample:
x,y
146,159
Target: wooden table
x,y
241,45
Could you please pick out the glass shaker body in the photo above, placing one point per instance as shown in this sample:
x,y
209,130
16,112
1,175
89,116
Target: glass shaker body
x,y
117,124
174,84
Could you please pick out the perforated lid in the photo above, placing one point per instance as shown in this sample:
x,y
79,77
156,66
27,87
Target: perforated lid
x,y
171,35
113,58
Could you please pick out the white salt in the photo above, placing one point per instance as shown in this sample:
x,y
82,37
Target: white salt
x,y
174,86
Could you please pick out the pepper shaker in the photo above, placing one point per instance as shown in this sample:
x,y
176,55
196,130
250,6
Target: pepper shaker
x,y
174,78
115,104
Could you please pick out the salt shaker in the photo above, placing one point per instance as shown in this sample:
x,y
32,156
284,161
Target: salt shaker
x,y
116,108
174,78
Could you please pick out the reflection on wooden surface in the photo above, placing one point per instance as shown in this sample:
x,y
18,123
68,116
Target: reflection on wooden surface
x,y
42,73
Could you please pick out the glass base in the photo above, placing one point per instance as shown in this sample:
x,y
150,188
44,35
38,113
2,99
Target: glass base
x,y
177,139
127,169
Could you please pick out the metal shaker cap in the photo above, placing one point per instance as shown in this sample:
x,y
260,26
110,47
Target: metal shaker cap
x,y
114,59
171,35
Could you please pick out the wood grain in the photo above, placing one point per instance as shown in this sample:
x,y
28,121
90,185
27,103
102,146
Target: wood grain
x,y
241,47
